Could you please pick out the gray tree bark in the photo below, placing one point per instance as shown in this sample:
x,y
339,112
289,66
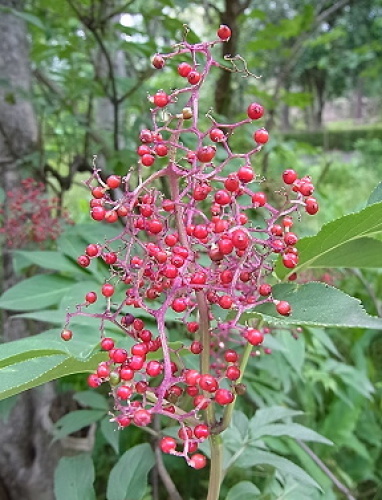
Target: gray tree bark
x,y
27,457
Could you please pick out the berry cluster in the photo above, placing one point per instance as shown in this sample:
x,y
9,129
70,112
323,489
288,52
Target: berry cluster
x,y
194,253
31,216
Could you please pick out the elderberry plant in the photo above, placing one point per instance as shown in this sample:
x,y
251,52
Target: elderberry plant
x,y
195,253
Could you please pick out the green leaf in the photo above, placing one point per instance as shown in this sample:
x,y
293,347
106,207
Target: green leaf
x,y
253,456
293,430
35,293
128,478
76,420
316,304
74,478
92,400
46,260
110,433
344,242
242,490
265,416
33,361
376,195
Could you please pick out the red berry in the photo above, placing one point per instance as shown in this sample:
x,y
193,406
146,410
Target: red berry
x,y
66,334
83,260
201,431
196,347
225,246
146,136
208,383
311,206
142,418
113,181
255,111
161,149
107,290
107,344
217,135
290,238
192,377
259,199
154,226
147,160
158,62
225,302
265,289
98,192
290,260
92,250
193,77
184,69
261,136
161,99
206,153
240,239
124,392
231,356
224,32
289,176
245,174
233,372
254,336
167,444
224,397
94,381
283,308
185,433
179,304
91,297
222,197
143,149
193,327
231,183
154,368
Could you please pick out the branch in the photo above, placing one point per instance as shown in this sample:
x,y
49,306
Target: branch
x,y
63,98
120,10
337,483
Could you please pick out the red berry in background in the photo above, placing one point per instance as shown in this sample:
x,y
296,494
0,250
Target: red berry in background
x,y
255,111
224,32
113,181
261,136
161,99
254,336
193,77
311,206
107,290
289,176
91,297
224,397
184,69
283,308
245,174
158,61
206,153
167,444
66,334
259,199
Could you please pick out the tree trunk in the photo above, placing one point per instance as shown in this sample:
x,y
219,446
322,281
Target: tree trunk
x,y
27,458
